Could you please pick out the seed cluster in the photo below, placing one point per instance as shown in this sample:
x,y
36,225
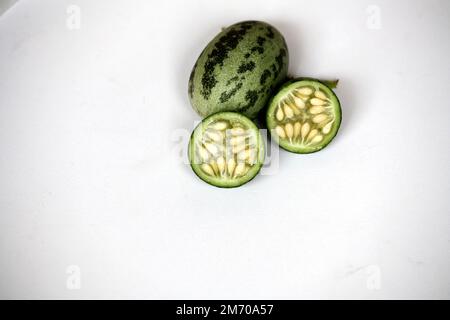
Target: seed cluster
x,y
304,116
227,149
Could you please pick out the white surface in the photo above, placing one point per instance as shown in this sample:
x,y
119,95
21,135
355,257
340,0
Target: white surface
x,y
90,175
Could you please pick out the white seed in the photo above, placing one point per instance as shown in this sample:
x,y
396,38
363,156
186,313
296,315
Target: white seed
x,y
316,109
280,132
305,129
289,128
221,165
207,169
251,157
212,148
317,139
305,91
230,166
237,140
320,117
243,155
238,148
288,111
240,169
317,102
280,114
295,109
325,122
319,94
204,154
237,131
214,166
327,128
215,136
299,102
312,134
297,127
219,125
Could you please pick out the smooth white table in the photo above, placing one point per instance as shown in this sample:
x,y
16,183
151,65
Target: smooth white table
x,y
95,201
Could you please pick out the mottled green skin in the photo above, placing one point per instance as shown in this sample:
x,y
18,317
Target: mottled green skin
x,y
239,69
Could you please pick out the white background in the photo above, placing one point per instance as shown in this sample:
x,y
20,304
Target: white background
x,y
95,201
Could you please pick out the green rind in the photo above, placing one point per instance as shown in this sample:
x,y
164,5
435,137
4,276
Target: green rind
x,y
220,182
287,87
239,69
332,84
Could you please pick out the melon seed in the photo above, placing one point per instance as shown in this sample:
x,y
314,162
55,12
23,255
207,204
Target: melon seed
x,y
237,131
215,136
220,125
327,128
238,148
319,94
297,127
288,111
299,102
289,130
251,160
319,118
317,139
280,132
243,155
212,148
316,109
305,91
230,166
207,169
295,109
312,134
221,165
240,169
317,102
305,129
204,154
214,166
237,140
280,114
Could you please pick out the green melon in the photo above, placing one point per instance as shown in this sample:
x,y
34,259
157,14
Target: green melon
x,y
226,150
239,70
305,115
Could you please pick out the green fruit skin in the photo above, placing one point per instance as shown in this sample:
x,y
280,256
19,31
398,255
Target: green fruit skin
x,y
239,70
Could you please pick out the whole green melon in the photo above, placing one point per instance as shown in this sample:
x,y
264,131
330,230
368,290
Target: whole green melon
x,y
239,69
